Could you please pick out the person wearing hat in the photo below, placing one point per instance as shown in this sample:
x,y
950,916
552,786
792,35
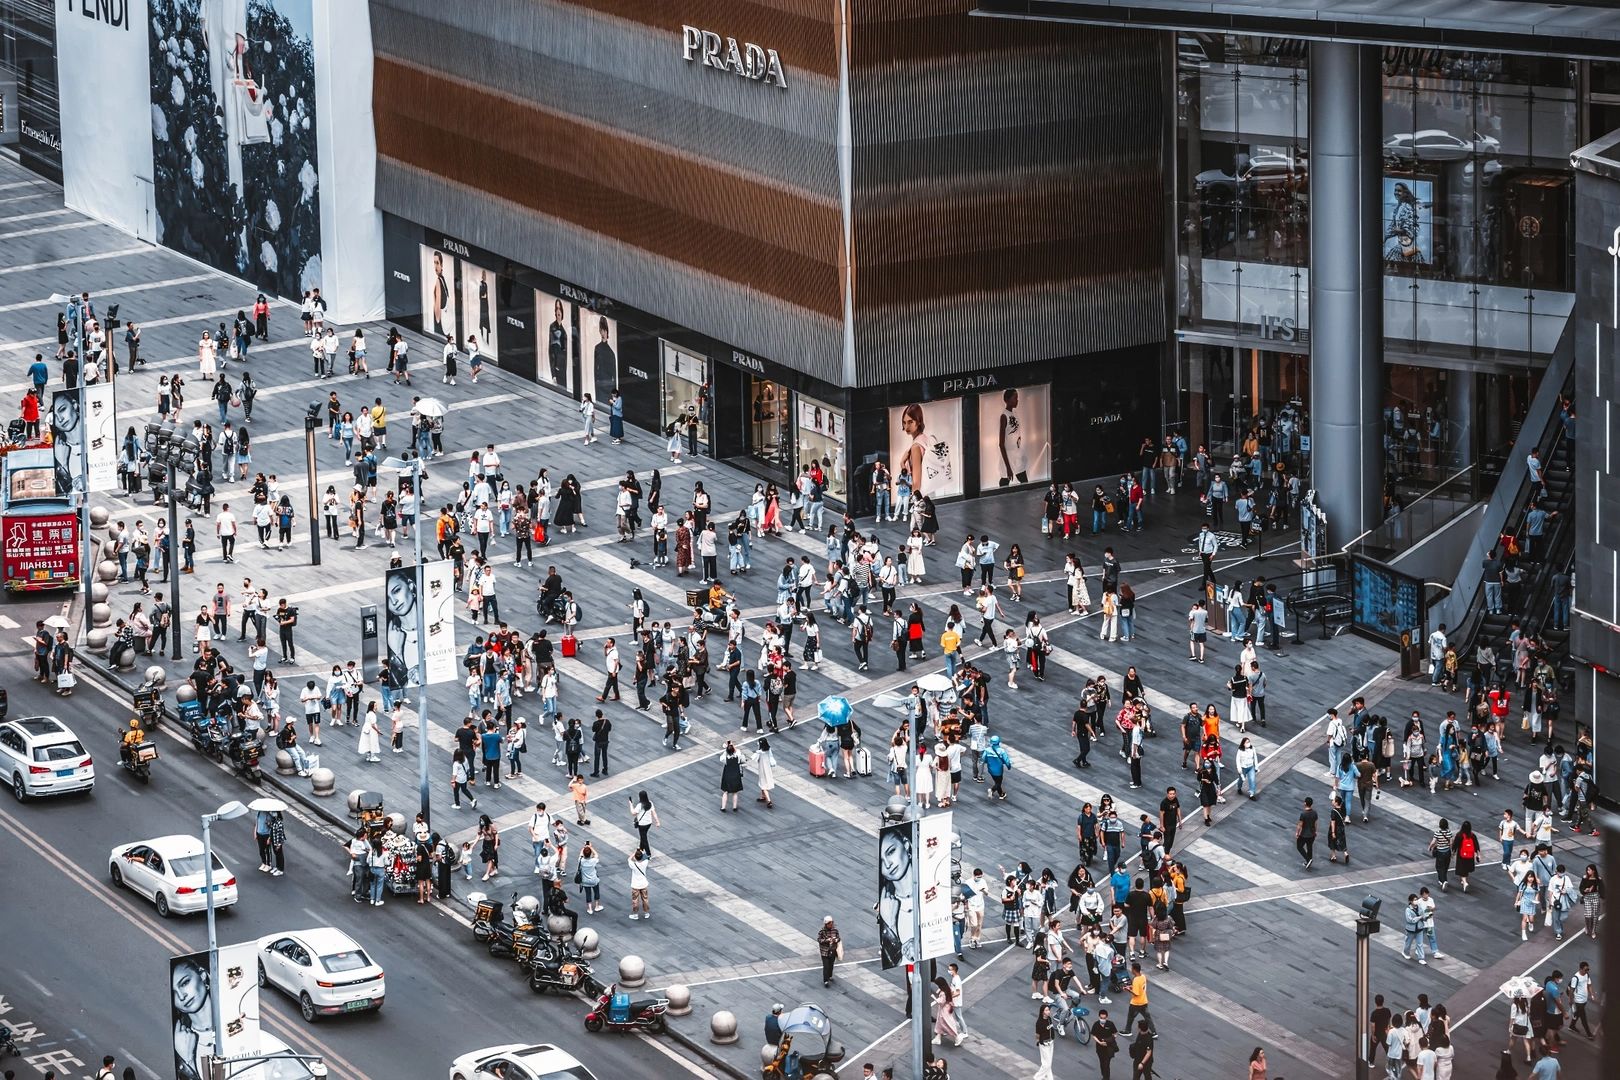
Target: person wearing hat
x,y
773,1026
831,945
1536,800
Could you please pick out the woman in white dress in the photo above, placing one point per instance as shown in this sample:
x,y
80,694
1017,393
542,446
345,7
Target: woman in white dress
x,y
765,767
370,735
914,557
206,355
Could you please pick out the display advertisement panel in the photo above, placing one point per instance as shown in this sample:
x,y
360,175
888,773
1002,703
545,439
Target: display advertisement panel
x,y
478,308
235,178
821,439
442,666
925,439
598,355
895,915
41,552
934,884
191,1010
1015,437
1408,221
67,440
101,437
437,275
554,322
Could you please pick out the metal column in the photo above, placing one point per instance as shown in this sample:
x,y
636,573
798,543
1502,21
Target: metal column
x,y
1347,302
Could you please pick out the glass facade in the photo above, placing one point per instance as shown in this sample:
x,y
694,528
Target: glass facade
x,y
685,376
770,424
1477,240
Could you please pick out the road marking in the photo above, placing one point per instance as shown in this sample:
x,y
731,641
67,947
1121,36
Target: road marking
x,y
1389,802
8,623
37,985
48,229
689,1066
120,291
76,260
145,1068
298,433
198,317
1249,1021
613,481
36,216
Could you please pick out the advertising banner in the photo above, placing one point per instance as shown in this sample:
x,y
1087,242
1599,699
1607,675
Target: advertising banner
x,y
84,439
403,653
934,871
926,439
1408,220
41,552
67,431
191,1007
102,436
554,324
438,271
478,308
1015,437
598,355
894,912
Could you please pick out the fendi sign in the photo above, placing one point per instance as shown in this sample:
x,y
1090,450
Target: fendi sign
x,y
748,60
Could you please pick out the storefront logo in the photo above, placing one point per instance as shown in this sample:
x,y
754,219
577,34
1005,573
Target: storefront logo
x,y
1276,327
519,323
972,382
575,295
403,276
1106,418
750,61
752,363
50,139
111,12
457,247
637,372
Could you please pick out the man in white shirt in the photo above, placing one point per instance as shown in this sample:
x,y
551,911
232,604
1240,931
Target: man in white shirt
x,y
483,525
539,831
329,347
262,518
248,603
225,529
610,659
1437,654
978,889
1335,741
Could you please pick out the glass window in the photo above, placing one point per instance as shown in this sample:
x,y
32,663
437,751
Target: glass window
x,y
770,423
821,440
685,376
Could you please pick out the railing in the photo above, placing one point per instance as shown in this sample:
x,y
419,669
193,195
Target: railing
x,y
1419,519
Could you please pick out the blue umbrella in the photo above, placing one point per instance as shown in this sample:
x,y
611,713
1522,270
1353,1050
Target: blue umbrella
x,y
833,711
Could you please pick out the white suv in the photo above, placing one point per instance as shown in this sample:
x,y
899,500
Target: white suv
x,y
40,755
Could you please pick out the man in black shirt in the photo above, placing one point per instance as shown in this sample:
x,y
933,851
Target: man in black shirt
x,y
600,727
1192,730
1169,817
1142,1053
467,739
1106,1038
1305,834
1080,728
1380,1027
1137,902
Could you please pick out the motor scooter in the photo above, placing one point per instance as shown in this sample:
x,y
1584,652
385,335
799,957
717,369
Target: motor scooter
x,y
244,749
616,1011
557,967
137,758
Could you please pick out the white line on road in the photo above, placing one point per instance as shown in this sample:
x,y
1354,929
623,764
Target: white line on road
x,y
120,291
76,260
48,229
196,317
36,216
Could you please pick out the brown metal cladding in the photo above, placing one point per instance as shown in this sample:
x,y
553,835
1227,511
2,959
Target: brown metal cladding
x,y
801,31
784,243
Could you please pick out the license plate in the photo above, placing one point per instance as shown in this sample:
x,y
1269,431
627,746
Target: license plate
x,y
363,1003
65,772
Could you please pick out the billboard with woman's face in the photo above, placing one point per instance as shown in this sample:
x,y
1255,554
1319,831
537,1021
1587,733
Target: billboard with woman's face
x,y
925,439
554,322
438,277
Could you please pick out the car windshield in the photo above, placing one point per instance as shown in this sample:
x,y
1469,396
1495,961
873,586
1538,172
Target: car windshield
x,y
577,1072
64,751
353,960
189,865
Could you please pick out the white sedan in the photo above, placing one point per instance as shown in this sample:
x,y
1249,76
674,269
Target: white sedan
x,y
517,1061
324,969
169,869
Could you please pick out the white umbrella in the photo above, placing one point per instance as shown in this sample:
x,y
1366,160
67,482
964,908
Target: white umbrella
x,y
57,622
891,701
267,804
1519,986
935,683
429,407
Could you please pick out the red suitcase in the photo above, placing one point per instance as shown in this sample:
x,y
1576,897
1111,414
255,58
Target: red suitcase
x,y
818,761
570,645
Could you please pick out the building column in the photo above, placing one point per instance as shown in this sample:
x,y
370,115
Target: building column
x,y
1347,288
1459,421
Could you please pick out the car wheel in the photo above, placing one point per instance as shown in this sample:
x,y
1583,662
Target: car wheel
x,y
306,1005
162,904
117,876
18,788
264,980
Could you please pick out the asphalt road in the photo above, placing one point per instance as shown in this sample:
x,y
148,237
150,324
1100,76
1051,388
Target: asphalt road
x,y
86,964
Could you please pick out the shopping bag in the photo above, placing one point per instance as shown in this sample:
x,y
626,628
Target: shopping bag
x,y
65,681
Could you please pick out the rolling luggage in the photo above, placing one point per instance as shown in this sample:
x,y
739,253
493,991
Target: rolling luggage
x,y
863,761
570,645
818,761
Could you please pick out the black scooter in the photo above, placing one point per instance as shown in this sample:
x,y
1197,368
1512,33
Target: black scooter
x,y
137,759
208,736
244,751
557,967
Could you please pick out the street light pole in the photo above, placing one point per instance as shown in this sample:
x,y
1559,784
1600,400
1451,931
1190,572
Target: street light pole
x,y
174,563
423,750
919,1001
312,422
232,809
1366,926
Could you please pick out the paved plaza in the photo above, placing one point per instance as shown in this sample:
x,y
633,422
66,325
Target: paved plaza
x,y
738,898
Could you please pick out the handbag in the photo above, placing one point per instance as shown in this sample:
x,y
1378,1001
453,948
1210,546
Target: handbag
x,y
579,876
65,681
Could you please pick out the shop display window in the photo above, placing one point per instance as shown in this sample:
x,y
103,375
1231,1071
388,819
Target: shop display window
x,y
821,439
770,423
685,375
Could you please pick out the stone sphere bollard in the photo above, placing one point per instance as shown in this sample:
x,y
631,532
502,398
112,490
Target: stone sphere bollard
x,y
559,927
396,823
96,640
767,1054
185,692
109,549
100,614
99,516
157,676
723,1028
632,972
354,801
99,592
680,999
323,781
108,571
590,944
284,764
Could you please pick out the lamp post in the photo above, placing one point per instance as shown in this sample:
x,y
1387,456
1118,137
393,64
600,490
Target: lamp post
x,y
424,786
1366,926
312,423
232,809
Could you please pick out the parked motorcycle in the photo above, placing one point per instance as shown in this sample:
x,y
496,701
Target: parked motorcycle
x,y
243,750
557,967
207,734
518,938
618,1011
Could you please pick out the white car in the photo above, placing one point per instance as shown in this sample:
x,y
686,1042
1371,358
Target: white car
x,y
324,969
517,1061
169,869
1437,144
42,756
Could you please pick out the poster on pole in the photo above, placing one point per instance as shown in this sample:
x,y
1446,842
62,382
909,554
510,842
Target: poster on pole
x,y
404,654
934,875
191,1009
101,436
67,430
894,910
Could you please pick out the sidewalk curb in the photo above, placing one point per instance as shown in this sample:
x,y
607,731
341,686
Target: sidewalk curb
x,y
595,988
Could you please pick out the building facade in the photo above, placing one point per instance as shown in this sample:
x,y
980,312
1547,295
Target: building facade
x,y
825,234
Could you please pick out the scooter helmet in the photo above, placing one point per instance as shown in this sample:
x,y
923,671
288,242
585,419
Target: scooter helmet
x,y
134,724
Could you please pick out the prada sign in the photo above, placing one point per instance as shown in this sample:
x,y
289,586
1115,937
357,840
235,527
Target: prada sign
x,y
749,60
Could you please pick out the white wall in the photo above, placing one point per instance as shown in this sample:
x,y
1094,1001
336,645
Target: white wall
x,y
103,73
351,224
